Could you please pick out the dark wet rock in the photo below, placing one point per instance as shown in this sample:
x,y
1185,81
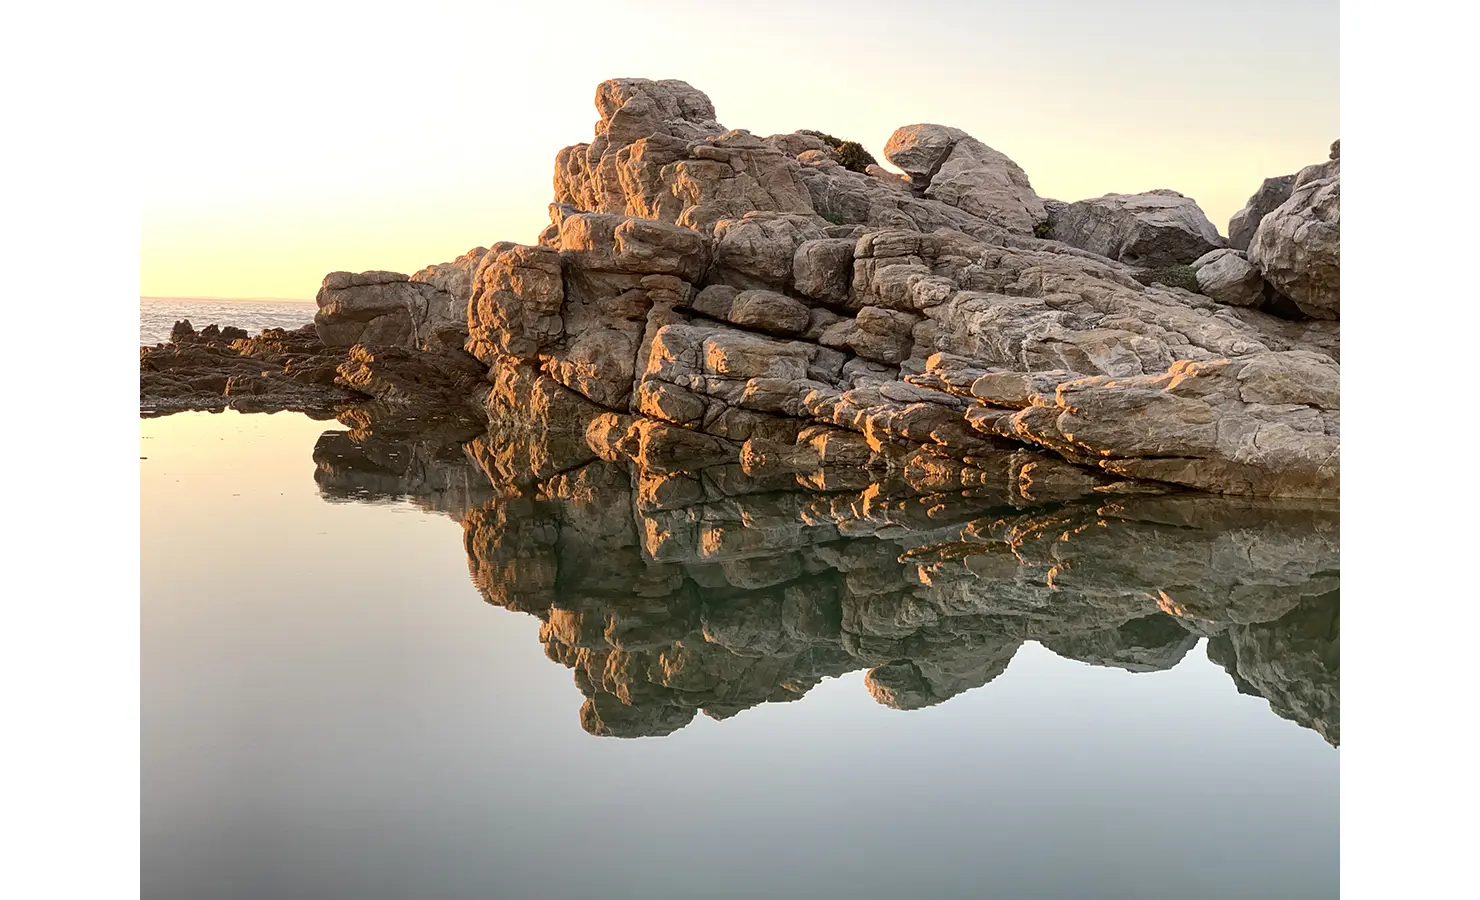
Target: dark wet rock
x,y
398,376
277,370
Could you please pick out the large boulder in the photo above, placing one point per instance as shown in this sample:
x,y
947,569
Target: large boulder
x,y
1297,247
951,166
388,309
1154,229
514,308
1227,276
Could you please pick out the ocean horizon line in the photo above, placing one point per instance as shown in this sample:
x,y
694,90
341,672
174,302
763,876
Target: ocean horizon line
x,y
229,299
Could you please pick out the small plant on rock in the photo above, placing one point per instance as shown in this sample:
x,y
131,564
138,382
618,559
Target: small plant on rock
x,y
849,154
1184,277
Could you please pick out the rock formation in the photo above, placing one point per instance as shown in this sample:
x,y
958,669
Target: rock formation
x,y
377,337
1271,194
215,368
754,412
1227,276
1297,247
1154,229
705,296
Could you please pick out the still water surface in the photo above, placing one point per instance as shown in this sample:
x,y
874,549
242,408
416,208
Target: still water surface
x,y
336,702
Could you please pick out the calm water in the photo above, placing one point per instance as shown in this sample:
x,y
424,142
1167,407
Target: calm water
x,y
367,676
158,316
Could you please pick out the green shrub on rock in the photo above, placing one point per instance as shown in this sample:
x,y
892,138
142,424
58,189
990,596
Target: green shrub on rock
x,y
1184,277
850,154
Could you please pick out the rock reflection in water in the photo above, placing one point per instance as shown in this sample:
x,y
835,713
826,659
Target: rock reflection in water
x,y
716,591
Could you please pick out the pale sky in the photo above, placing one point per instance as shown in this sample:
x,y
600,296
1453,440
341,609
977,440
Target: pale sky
x,y
290,139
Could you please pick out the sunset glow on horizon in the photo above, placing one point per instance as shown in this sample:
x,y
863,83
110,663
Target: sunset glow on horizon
x,y
310,137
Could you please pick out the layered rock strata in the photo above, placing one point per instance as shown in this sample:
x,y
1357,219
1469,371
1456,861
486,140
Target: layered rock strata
x,y
688,282
705,295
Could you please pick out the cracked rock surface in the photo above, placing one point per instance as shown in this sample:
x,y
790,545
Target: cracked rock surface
x,y
704,295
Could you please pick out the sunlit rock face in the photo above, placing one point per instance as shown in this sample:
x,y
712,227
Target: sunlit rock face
x,y
660,154
1265,423
761,301
751,300
952,167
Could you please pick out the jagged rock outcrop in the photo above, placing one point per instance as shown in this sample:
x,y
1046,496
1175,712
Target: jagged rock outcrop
x,y
659,153
1297,247
775,325
749,418
220,367
1154,229
704,297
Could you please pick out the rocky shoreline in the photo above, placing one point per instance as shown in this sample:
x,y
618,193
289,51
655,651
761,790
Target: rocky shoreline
x,y
709,298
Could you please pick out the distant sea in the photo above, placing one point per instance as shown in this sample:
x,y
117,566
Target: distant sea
x,y
158,315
